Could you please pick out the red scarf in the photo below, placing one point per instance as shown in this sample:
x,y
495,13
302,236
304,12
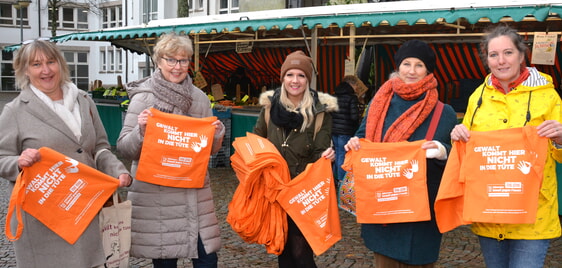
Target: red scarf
x,y
523,75
411,119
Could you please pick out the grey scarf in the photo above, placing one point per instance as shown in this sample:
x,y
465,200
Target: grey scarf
x,y
171,97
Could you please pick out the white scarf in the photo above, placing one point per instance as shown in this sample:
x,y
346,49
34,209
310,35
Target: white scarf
x,y
67,109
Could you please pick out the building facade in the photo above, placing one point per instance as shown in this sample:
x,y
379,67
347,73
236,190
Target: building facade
x,y
90,61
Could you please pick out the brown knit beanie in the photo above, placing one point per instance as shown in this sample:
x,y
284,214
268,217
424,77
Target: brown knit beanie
x,y
297,60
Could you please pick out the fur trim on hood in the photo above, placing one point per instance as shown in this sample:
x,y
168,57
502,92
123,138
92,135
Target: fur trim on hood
x,y
329,102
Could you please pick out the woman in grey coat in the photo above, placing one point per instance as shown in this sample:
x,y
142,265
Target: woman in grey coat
x,y
170,223
52,112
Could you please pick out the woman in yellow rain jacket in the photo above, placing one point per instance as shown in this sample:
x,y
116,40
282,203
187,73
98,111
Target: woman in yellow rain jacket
x,y
512,96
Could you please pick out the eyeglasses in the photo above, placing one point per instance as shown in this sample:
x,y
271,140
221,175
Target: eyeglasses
x,y
173,62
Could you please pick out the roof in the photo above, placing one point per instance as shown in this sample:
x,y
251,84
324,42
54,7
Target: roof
x,y
429,19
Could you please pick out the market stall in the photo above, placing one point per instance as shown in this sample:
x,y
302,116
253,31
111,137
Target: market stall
x,y
334,36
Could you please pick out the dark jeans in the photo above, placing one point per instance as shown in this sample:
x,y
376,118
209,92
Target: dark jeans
x,y
204,260
513,253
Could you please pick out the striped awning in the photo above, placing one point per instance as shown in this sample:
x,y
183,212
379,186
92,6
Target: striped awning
x,y
273,23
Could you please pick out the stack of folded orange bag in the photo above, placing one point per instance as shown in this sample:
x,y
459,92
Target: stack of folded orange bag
x,y
253,211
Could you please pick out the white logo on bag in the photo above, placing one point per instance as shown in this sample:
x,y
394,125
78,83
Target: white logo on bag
x,y
73,168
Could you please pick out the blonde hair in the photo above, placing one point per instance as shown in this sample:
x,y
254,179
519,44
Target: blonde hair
x,y
305,107
28,53
172,44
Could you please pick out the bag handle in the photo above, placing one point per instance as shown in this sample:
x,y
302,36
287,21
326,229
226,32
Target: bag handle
x,y
434,121
16,204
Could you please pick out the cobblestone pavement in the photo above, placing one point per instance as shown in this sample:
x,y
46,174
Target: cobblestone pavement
x,y
459,247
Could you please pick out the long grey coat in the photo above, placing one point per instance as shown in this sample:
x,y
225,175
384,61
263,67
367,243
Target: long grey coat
x,y
26,122
166,220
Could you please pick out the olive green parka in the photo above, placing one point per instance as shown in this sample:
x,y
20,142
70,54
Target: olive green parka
x,y
299,148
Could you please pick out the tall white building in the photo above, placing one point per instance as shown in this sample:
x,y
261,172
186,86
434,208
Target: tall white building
x,y
89,61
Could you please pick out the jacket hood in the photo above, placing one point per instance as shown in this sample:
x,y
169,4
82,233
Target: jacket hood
x,y
344,88
142,85
326,103
536,80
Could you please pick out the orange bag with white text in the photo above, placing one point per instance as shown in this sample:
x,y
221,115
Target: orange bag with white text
x,y
390,182
62,193
176,150
310,199
503,171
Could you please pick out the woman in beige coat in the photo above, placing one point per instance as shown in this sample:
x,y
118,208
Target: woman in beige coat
x,y
52,112
170,223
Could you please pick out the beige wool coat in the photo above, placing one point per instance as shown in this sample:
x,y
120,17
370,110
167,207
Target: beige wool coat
x,y
27,122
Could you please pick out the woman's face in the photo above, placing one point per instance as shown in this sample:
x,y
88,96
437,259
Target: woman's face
x,y
44,74
412,70
504,60
174,68
295,83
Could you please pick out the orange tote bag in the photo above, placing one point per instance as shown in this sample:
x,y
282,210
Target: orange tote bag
x,y
176,150
310,199
390,182
503,171
62,193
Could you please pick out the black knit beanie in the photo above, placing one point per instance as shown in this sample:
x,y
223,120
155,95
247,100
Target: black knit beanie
x,y
416,49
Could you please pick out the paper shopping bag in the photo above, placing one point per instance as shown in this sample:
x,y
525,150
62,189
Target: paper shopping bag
x,y
62,193
176,150
346,193
115,226
310,200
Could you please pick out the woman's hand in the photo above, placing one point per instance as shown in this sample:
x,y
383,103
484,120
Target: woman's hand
x,y
28,157
434,149
219,127
352,144
551,129
142,119
329,153
460,132
125,180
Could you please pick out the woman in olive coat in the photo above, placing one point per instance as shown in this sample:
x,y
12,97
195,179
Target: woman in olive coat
x,y
299,124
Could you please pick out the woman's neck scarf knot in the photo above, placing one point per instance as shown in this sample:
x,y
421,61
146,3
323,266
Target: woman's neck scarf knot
x,y
171,97
403,127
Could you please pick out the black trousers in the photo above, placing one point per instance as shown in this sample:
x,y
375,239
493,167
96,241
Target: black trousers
x,y
297,252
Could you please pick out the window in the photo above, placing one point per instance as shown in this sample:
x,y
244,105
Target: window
x,y
196,5
78,66
10,16
7,79
306,3
112,17
111,60
72,18
228,6
150,10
